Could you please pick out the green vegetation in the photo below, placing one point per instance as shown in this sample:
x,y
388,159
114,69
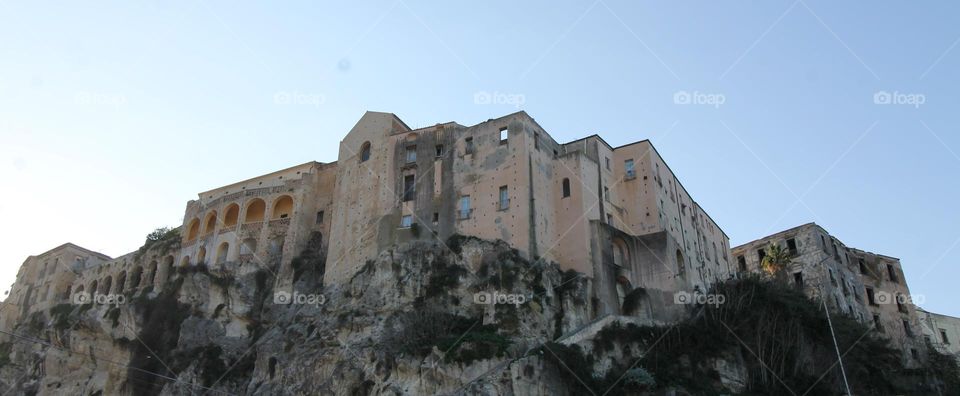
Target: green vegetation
x,y
6,348
161,240
460,339
311,259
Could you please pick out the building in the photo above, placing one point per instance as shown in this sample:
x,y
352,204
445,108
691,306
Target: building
x,y
868,287
618,215
941,331
45,280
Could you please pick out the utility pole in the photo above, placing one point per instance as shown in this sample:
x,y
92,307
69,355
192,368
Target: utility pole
x,y
833,335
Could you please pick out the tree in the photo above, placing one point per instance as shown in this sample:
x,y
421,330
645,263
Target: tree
x,y
775,261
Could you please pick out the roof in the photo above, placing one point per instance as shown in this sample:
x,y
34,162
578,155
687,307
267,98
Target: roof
x,y
75,246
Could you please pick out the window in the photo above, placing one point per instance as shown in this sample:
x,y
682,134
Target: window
x,y
870,297
943,336
406,221
566,187
411,154
792,246
877,324
833,279
439,150
504,134
914,353
465,207
409,188
365,152
320,217
798,280
863,266
742,263
536,140
906,328
629,168
606,162
823,243
892,273
436,217
900,303
609,219
761,254
468,148
504,198
606,194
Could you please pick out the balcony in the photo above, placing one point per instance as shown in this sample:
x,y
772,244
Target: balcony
x,y
283,222
251,227
227,229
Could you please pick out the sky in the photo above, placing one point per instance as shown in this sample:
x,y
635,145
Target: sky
x,y
113,114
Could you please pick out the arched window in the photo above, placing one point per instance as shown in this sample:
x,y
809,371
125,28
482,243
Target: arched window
x,y
222,252
566,187
231,216
151,273
185,261
620,256
283,207
365,152
202,256
93,288
193,229
167,268
210,222
255,211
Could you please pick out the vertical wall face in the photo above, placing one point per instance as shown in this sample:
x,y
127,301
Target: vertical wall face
x,y
942,331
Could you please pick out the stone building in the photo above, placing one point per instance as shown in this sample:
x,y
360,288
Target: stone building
x,y
616,214
45,280
942,331
868,287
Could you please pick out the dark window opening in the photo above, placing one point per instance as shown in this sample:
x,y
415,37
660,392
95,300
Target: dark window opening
x,y
320,217
863,266
870,297
761,254
892,272
504,135
468,149
566,188
900,303
439,150
607,162
943,336
876,323
436,217
914,353
798,280
742,263
907,329
792,246
409,188
536,141
365,152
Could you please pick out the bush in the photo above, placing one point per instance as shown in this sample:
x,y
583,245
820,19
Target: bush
x,y
461,339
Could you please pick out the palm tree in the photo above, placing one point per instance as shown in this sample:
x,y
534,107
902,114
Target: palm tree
x,y
775,261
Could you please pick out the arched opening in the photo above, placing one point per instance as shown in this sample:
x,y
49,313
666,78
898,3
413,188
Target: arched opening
x,y
193,229
151,273
93,288
222,252
365,152
620,256
566,187
202,256
135,276
185,261
272,366
121,281
282,208
210,222
105,286
167,268
255,211
231,216
681,267
248,247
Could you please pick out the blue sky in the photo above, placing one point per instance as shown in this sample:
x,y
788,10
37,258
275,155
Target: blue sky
x,y
114,113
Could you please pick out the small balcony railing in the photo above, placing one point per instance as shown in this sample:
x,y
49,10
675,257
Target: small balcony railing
x,y
280,222
253,226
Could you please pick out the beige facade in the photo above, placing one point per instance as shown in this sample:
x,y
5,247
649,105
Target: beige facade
x,y
865,286
616,214
942,331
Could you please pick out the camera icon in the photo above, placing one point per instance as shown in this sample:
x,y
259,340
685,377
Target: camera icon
x,y
882,98
81,298
282,298
682,297
883,297
681,98
483,298
482,98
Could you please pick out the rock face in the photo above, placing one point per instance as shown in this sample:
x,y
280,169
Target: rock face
x,y
462,317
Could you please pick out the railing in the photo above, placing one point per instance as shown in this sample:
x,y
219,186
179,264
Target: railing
x,y
226,229
280,222
253,226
